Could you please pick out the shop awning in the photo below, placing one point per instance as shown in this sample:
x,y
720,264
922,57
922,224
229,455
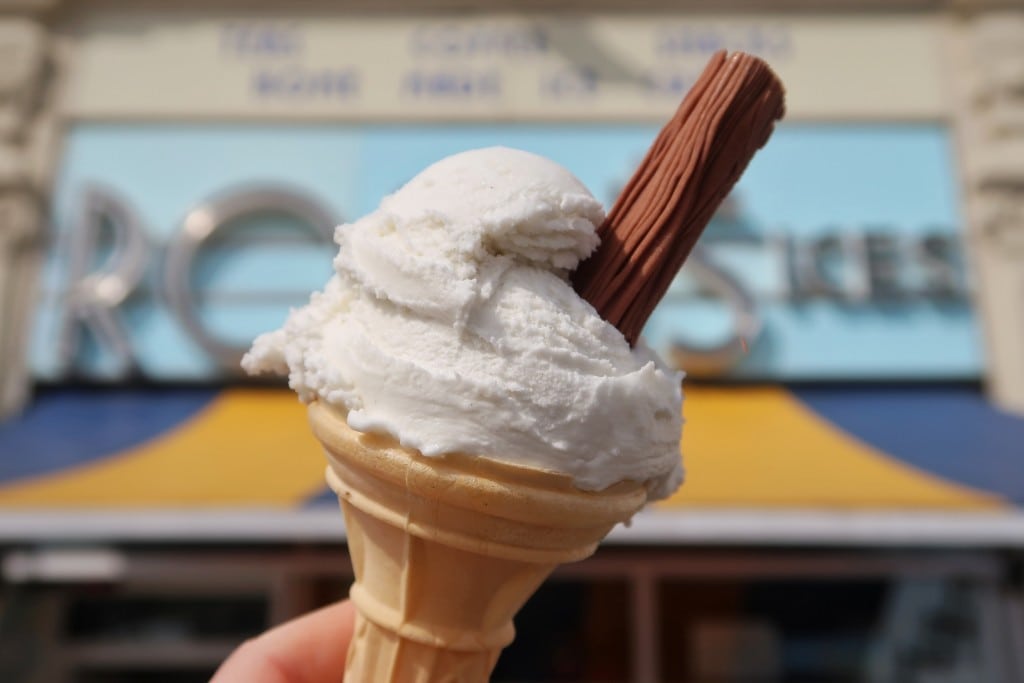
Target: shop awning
x,y
818,462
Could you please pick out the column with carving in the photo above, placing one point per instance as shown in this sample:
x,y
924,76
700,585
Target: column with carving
x,y
27,129
988,61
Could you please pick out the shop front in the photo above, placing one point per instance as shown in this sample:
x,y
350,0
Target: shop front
x,y
852,509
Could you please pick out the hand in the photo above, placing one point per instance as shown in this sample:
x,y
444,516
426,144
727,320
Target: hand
x,y
310,649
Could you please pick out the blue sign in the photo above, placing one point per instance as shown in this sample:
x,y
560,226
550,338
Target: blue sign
x,y
836,257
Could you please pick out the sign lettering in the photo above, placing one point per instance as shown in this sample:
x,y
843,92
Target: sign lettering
x,y
94,297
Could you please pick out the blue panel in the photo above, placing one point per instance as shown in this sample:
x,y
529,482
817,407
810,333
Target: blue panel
x,y
812,177
326,498
72,427
950,431
809,181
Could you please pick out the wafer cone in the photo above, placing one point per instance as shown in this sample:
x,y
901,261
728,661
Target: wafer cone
x,y
447,549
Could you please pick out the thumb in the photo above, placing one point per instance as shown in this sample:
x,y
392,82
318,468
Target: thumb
x,y
310,649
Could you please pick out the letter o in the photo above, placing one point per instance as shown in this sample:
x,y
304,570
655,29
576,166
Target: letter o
x,y
199,225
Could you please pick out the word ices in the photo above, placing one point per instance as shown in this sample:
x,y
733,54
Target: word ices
x,y
109,232
747,273
851,266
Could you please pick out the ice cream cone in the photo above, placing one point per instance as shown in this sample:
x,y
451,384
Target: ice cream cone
x,y
447,549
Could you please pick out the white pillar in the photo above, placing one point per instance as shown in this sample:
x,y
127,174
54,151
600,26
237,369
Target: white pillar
x,y
26,134
988,78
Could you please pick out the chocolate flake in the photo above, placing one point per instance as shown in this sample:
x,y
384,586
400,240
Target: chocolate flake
x,y
692,165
